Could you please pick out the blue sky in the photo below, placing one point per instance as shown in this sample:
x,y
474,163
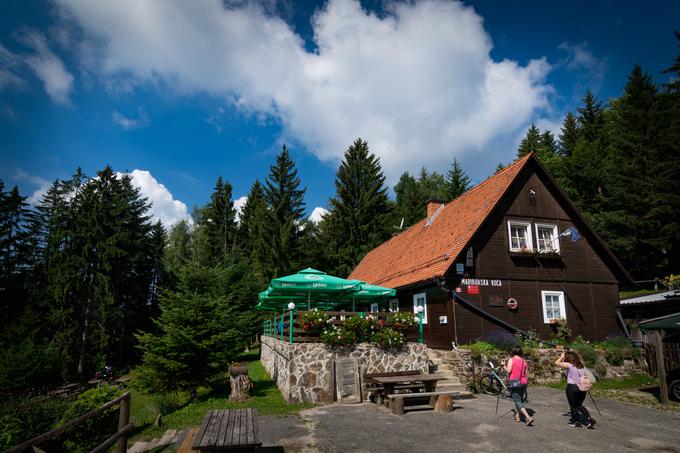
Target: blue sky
x,y
179,93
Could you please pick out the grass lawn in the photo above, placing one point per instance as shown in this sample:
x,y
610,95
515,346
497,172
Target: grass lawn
x,y
640,389
266,398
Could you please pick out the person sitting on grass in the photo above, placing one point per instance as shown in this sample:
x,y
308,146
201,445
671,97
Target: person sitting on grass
x,y
575,396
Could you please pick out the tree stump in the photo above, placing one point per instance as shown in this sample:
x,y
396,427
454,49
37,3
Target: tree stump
x,y
443,404
240,383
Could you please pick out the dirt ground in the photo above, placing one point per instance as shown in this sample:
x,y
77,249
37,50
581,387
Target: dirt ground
x,y
473,427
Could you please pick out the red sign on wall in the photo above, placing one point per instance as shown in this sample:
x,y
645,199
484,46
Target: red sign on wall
x,y
473,289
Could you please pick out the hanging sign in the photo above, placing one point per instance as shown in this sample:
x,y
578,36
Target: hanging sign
x,y
512,304
460,268
473,289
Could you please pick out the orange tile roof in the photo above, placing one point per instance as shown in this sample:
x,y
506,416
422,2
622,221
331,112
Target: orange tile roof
x,y
423,252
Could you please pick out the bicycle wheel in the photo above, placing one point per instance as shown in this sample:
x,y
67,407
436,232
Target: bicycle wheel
x,y
490,385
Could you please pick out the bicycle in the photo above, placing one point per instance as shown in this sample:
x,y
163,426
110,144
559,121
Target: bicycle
x,y
493,382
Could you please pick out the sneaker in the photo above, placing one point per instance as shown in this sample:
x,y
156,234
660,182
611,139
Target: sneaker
x,y
591,423
575,424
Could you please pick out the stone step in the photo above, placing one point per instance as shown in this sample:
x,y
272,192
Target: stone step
x,y
169,437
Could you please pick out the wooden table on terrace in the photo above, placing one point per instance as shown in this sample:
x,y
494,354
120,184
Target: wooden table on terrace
x,y
429,381
235,430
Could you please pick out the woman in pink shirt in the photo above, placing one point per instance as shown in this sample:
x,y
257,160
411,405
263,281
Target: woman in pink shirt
x,y
517,368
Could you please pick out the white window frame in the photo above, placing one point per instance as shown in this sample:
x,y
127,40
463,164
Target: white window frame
x,y
374,307
527,226
556,237
394,305
563,309
416,297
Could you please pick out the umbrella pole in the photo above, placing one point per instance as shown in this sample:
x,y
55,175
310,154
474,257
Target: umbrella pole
x,y
309,295
354,305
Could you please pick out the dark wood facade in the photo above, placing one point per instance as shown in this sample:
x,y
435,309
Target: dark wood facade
x,y
584,271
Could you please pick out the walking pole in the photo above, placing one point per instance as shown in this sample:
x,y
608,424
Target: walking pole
x,y
593,400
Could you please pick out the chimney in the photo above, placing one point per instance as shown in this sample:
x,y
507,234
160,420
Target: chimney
x,y
432,205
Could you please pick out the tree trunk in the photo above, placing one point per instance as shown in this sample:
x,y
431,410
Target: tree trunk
x,y
240,387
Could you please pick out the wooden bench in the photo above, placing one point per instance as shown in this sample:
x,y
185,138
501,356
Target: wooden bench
x,y
397,400
234,430
374,388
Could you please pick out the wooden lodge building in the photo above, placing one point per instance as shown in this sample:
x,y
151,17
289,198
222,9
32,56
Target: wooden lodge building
x,y
514,250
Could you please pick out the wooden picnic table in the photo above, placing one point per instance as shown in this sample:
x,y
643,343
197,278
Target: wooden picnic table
x,y
429,382
228,430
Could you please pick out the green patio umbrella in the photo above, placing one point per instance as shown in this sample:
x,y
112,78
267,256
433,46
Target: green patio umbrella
x,y
314,285
368,294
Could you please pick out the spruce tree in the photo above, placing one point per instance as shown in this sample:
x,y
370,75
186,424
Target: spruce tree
x,y
409,201
286,211
178,250
359,210
569,135
457,181
14,255
253,231
221,226
198,334
499,167
531,142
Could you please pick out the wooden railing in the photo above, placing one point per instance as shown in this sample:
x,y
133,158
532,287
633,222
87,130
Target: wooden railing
x,y
279,326
124,427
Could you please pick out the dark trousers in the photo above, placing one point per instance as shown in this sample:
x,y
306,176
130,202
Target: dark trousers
x,y
576,397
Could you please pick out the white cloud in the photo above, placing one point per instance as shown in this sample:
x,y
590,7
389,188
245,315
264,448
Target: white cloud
x,y
8,65
131,123
317,214
42,183
48,67
164,207
238,205
418,83
580,59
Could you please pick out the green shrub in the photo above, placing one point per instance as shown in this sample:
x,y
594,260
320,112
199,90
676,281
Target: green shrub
x,y
338,336
166,403
24,418
93,432
361,327
388,338
532,340
403,321
28,366
562,331
314,320
587,353
481,349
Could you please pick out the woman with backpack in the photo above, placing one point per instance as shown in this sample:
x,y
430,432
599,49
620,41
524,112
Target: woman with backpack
x,y
516,368
577,386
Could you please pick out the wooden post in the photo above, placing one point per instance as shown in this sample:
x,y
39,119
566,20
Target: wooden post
x,y
123,420
661,367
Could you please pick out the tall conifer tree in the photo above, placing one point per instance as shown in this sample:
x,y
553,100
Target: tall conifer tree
x,y
359,210
457,181
286,210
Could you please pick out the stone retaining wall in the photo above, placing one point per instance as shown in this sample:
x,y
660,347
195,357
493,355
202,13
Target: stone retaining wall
x,y
541,365
303,371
